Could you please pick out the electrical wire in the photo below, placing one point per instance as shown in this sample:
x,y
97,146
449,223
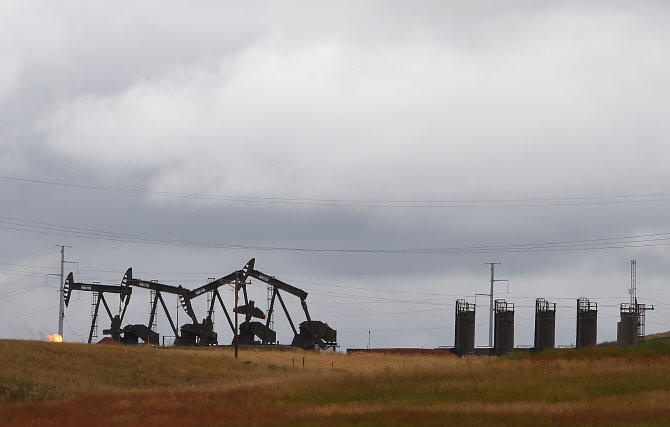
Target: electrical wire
x,y
376,299
68,326
393,330
633,241
20,273
374,289
367,203
37,311
26,265
16,292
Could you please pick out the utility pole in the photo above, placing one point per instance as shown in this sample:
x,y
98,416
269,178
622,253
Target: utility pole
x,y
633,282
638,309
491,314
237,286
61,305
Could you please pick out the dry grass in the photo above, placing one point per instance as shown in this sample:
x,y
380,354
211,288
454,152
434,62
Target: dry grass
x,y
76,384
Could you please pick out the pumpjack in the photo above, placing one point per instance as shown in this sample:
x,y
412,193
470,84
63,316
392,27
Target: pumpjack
x,y
247,329
143,331
202,333
312,333
131,333
124,291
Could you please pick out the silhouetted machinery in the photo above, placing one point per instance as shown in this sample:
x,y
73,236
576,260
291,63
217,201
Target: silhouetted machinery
x,y
313,333
203,331
124,291
191,336
248,329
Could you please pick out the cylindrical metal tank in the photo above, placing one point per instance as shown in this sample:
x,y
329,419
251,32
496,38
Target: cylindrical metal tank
x,y
626,328
464,342
587,323
545,324
504,327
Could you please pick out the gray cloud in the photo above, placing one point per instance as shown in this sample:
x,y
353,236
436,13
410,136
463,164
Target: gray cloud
x,y
359,101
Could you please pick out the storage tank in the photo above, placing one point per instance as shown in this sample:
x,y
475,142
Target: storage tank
x,y
587,323
464,339
626,329
632,321
504,327
545,324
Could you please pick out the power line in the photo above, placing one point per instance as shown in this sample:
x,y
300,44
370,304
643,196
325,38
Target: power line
x,y
395,330
635,241
372,289
26,265
362,299
367,203
16,292
20,273
70,328
37,311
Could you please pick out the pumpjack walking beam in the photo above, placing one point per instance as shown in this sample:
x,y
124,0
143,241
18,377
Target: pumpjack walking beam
x,y
311,332
159,287
238,275
278,285
124,291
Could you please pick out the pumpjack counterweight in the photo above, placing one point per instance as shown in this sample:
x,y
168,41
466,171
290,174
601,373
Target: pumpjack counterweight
x,y
312,333
248,329
201,333
159,288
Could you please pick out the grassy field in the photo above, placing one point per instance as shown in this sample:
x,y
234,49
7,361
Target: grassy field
x,y
46,384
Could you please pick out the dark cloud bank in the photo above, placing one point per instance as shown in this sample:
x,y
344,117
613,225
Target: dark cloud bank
x,y
362,102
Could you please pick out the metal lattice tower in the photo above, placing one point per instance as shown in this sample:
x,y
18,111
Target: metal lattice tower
x,y
94,318
210,297
270,291
154,323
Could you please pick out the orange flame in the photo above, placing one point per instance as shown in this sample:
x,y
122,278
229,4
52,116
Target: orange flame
x,y
55,338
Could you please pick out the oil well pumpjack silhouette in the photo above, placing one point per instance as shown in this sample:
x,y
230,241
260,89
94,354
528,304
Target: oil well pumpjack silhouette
x,y
310,334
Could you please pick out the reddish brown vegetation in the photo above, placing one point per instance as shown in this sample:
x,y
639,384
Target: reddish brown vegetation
x,y
76,384
408,351
159,408
263,406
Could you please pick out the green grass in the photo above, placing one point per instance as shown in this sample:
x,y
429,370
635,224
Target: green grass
x,y
651,347
60,384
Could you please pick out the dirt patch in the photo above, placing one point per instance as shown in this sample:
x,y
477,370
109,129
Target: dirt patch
x,y
108,340
409,351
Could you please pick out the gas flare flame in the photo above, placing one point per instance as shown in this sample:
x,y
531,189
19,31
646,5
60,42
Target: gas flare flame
x,y
55,338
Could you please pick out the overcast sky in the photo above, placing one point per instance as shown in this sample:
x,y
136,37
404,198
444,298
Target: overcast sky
x,y
287,127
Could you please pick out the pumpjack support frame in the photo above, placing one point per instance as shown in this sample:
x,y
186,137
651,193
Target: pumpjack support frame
x,y
311,333
123,290
159,288
202,333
